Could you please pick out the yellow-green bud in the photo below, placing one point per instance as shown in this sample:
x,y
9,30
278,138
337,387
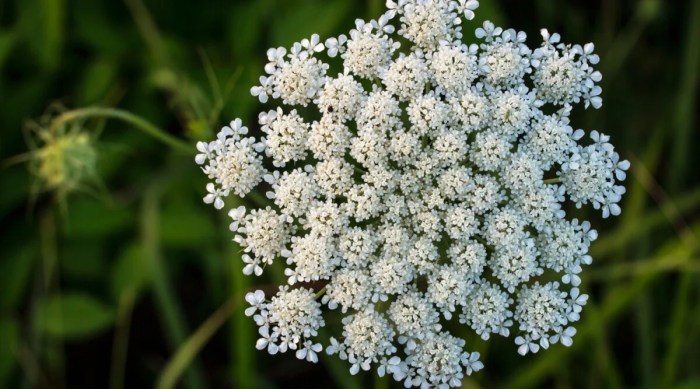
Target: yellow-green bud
x,y
65,161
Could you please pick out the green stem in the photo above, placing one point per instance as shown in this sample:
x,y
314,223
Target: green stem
x,y
49,251
359,169
34,377
189,350
166,300
553,181
52,348
127,117
242,333
16,159
320,293
121,339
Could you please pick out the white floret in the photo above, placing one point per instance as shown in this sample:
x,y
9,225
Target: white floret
x,y
287,136
487,311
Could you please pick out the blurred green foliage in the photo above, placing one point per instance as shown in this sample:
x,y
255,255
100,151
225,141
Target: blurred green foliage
x,y
103,287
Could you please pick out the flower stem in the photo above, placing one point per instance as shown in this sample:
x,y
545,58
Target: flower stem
x,y
320,293
241,336
553,181
127,117
50,286
242,331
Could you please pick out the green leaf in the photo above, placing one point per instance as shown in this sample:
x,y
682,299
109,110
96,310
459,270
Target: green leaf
x,y
131,271
9,340
73,316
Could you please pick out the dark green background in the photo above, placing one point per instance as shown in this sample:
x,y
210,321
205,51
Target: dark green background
x,y
138,263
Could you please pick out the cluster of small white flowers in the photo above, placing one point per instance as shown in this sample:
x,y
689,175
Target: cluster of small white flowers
x,y
368,337
232,162
289,321
429,187
543,313
591,175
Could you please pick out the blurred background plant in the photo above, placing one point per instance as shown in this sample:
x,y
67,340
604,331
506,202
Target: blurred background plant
x,y
114,274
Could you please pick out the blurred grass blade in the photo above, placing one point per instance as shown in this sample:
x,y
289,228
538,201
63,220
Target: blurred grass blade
x,y
42,26
627,234
635,204
619,51
149,31
686,104
187,352
676,333
172,317
639,267
605,360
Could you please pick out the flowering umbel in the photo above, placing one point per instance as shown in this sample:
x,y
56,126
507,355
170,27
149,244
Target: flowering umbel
x,y
425,193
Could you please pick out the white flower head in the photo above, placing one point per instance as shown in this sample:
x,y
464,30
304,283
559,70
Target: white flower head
x,y
425,183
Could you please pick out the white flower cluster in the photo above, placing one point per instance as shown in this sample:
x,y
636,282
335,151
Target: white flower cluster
x,y
427,185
